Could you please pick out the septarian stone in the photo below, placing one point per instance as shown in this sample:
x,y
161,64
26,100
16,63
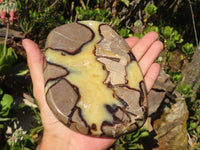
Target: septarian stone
x,y
92,81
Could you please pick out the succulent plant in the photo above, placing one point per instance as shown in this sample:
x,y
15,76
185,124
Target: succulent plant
x,y
8,9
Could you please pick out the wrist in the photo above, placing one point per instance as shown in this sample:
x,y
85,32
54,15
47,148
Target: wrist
x,y
73,141
54,142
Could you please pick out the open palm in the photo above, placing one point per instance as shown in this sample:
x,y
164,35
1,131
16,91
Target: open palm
x,y
56,135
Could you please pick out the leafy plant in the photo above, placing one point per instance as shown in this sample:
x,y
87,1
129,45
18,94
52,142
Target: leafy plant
x,y
20,69
126,2
6,103
37,126
7,58
141,26
98,14
150,28
7,55
5,107
171,37
185,90
125,33
26,26
193,124
40,16
188,49
150,9
25,140
131,140
19,140
176,76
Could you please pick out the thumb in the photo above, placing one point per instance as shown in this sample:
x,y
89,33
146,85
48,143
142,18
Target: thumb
x,y
35,63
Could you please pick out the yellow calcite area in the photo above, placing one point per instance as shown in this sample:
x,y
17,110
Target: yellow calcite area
x,y
86,73
134,75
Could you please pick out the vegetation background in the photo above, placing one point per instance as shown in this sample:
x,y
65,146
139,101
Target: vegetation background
x,y
176,21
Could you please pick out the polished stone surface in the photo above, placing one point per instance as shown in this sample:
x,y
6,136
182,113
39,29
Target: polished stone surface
x,y
93,83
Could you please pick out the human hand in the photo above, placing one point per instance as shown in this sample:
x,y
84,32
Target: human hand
x,y
56,135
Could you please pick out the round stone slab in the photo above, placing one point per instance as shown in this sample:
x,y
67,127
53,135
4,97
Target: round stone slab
x,y
93,83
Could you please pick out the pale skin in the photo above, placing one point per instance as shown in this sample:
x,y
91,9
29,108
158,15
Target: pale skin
x,y
56,136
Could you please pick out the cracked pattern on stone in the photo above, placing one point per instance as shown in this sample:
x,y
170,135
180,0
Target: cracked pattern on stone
x,y
93,83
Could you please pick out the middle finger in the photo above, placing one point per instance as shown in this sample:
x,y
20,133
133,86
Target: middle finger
x,y
143,45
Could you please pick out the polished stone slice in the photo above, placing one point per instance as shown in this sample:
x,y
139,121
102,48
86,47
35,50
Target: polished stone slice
x,y
93,83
